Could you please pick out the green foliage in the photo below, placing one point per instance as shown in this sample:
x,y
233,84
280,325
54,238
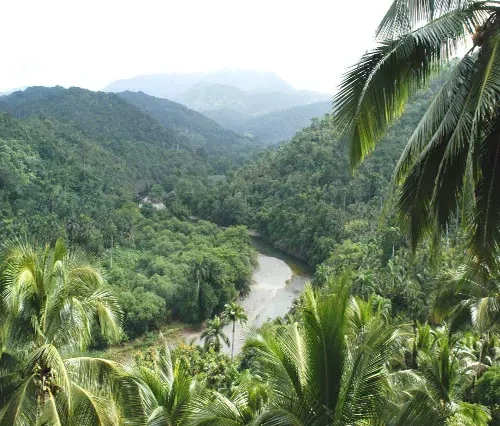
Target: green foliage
x,y
50,302
451,159
215,370
53,297
324,369
75,181
210,138
302,196
176,269
488,387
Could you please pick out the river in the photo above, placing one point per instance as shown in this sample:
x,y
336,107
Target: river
x,y
277,281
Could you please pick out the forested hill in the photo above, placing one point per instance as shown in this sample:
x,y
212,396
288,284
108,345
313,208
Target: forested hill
x,y
199,129
61,176
58,182
303,197
276,126
101,116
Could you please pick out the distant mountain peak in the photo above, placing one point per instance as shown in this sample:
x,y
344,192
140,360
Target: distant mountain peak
x,y
171,85
247,92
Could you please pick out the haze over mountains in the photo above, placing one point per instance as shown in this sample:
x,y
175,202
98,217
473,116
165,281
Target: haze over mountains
x,y
238,100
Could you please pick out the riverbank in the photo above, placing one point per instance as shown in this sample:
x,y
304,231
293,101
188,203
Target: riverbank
x,y
277,282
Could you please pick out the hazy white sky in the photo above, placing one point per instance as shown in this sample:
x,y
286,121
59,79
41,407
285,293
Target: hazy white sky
x,y
90,43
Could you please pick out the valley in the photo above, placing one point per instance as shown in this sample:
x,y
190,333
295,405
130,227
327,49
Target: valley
x,y
276,282
224,257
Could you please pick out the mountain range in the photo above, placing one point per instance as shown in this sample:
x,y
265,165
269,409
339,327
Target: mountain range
x,y
237,100
128,117
273,127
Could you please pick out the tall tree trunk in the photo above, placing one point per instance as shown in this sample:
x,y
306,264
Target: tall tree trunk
x,y
232,343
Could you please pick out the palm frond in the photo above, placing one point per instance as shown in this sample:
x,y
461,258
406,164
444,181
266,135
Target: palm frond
x,y
55,411
405,16
22,408
365,384
105,377
374,92
46,361
214,409
325,326
419,409
88,409
282,361
484,223
440,369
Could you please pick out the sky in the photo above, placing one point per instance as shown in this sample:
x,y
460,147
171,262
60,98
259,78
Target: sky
x,y
90,43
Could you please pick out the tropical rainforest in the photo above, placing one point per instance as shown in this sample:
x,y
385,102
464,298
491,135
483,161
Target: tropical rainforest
x,y
125,215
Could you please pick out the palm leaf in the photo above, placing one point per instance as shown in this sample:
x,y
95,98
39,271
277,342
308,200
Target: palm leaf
x,y
405,15
215,409
374,92
420,409
324,331
98,376
22,408
55,412
485,221
88,409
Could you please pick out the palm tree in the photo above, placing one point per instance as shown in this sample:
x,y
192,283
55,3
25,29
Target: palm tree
x,y
168,387
332,368
435,384
213,334
234,313
468,294
51,302
453,156
200,271
246,401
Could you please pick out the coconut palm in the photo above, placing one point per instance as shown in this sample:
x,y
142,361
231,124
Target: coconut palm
x,y
246,401
214,333
168,387
468,294
477,353
52,302
453,155
332,368
52,296
234,313
437,380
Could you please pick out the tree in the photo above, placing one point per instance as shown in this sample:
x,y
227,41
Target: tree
x,y
234,313
468,294
332,368
452,156
168,385
51,302
200,272
214,334
52,296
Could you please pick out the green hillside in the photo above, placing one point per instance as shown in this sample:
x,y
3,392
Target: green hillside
x,y
57,182
199,129
64,176
279,126
303,197
102,116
